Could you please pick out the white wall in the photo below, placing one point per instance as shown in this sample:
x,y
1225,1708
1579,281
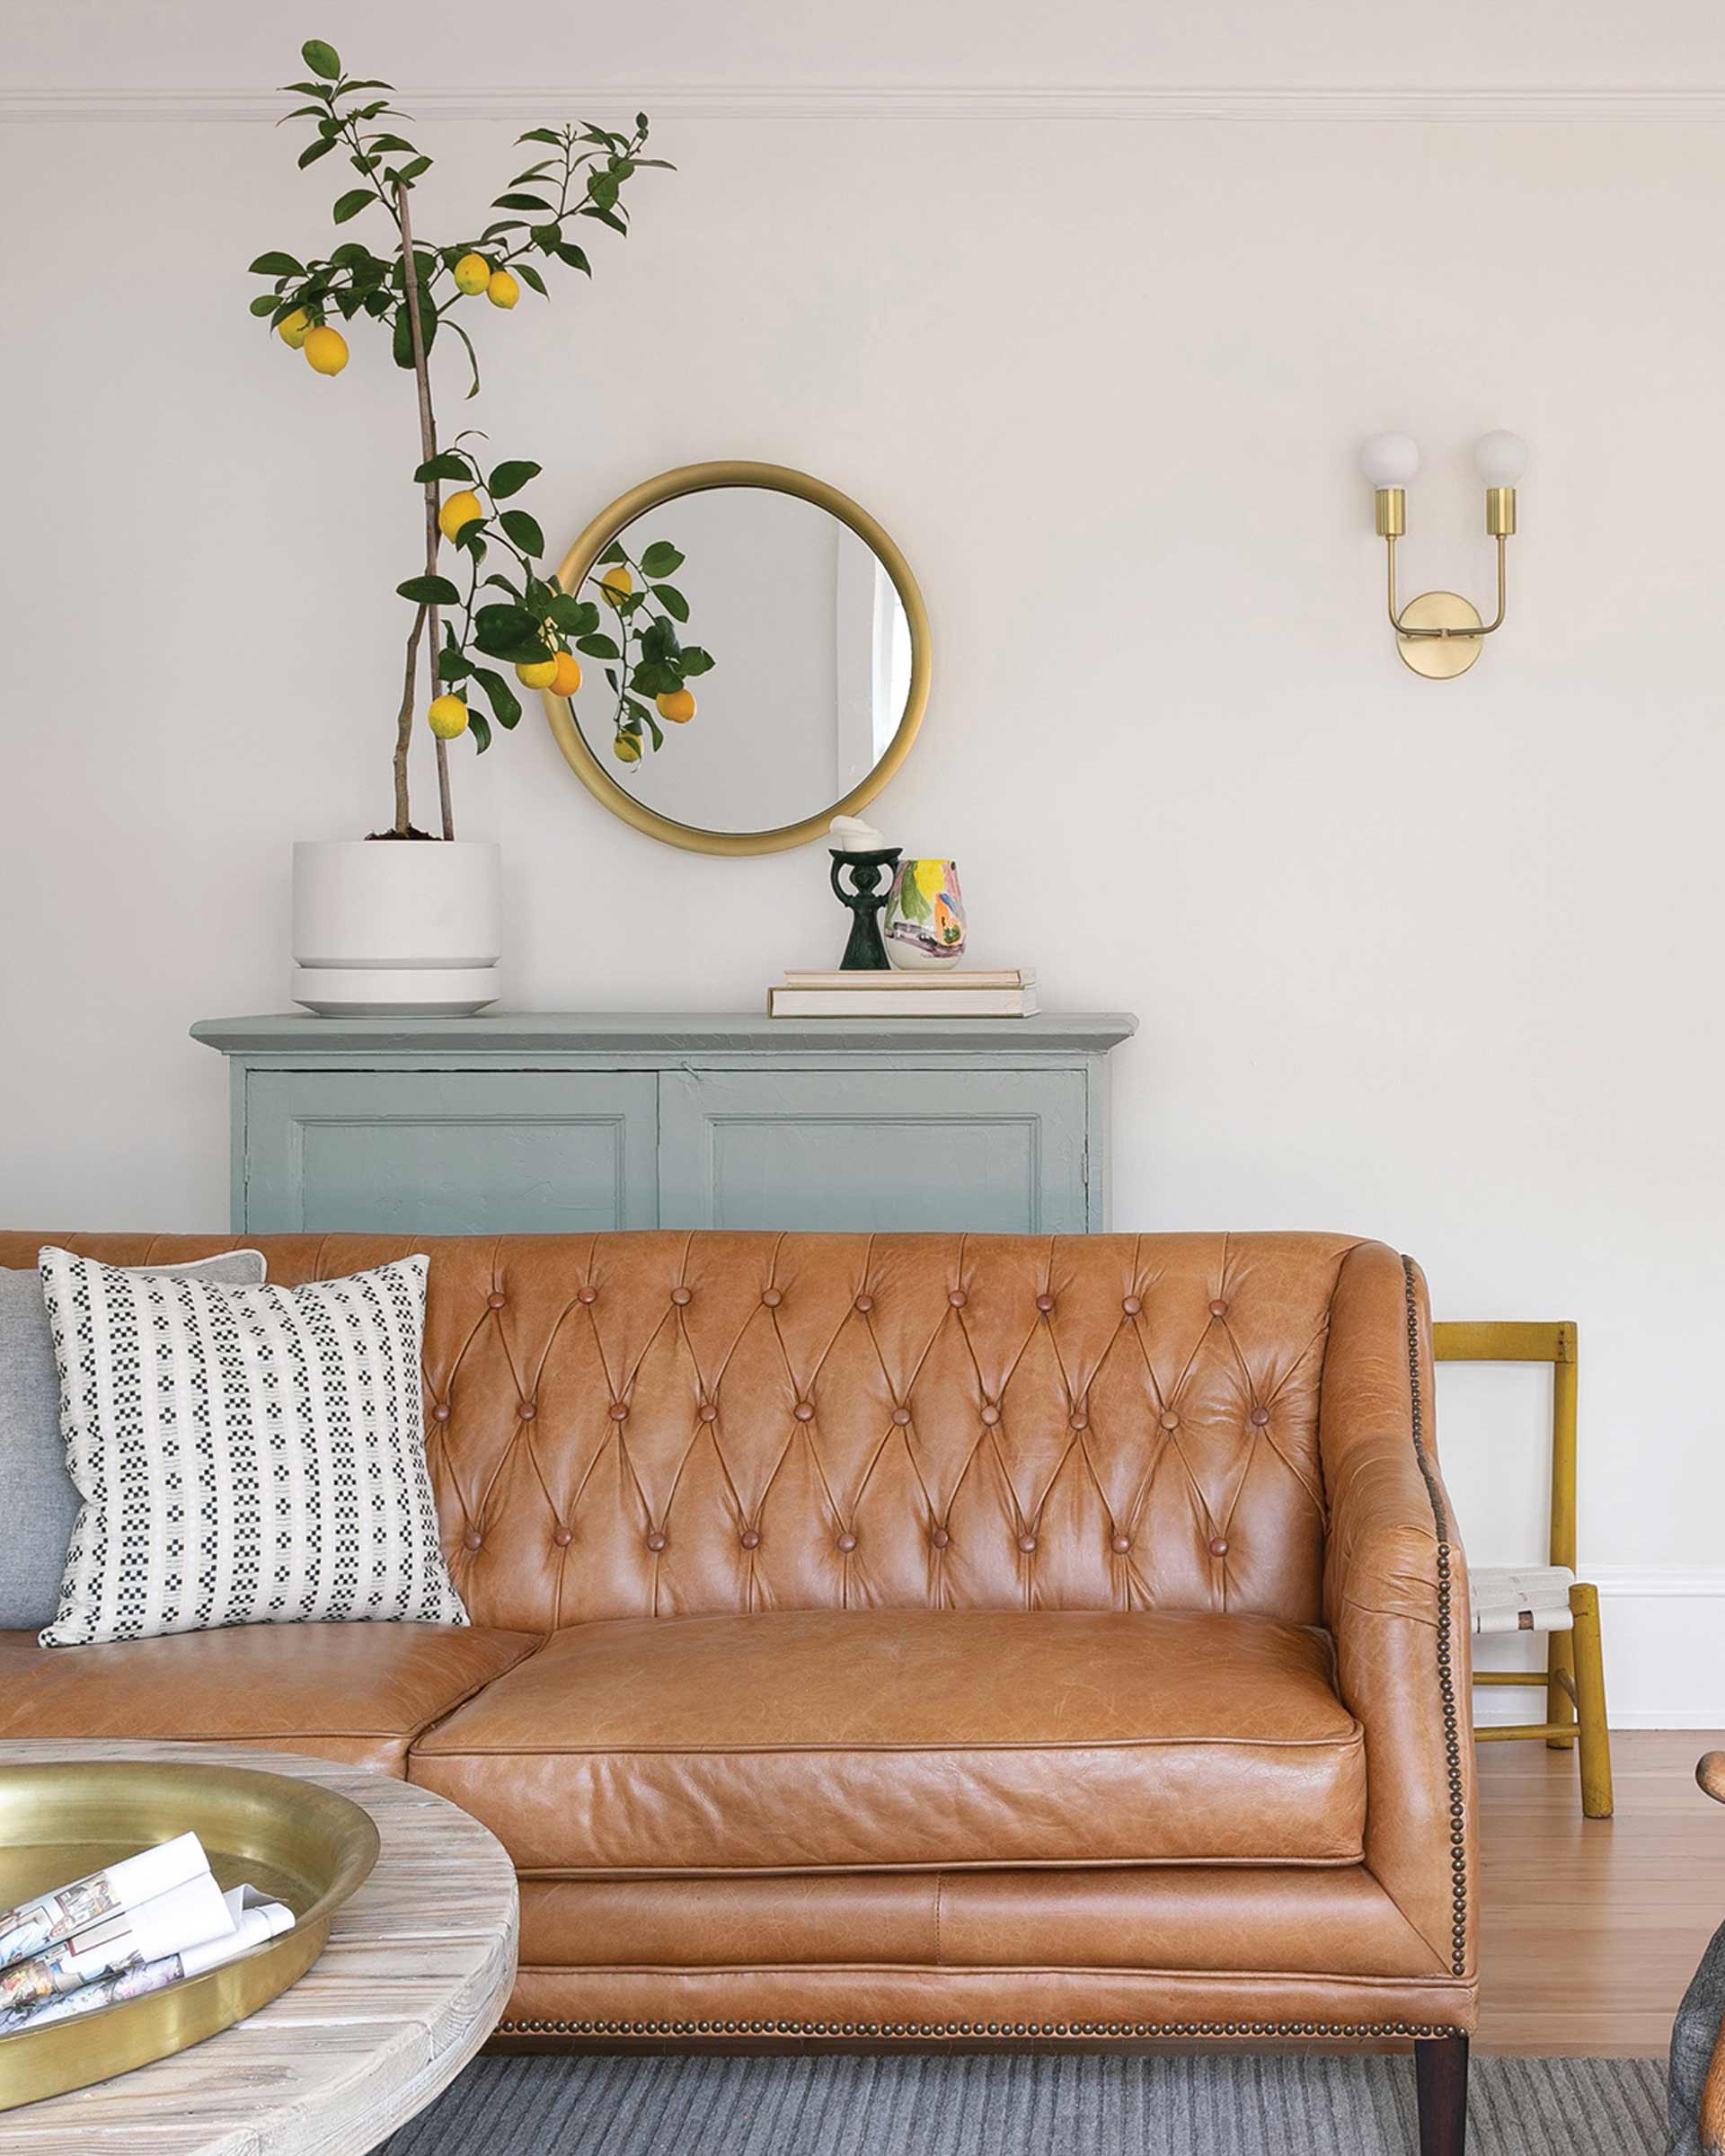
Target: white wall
x,y
1434,962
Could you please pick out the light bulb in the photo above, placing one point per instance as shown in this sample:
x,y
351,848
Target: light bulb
x,y
1389,460
1501,457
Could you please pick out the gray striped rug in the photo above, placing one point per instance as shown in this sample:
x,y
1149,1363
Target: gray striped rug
x,y
1010,2104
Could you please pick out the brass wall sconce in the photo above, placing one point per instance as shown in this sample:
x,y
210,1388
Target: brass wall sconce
x,y
1439,634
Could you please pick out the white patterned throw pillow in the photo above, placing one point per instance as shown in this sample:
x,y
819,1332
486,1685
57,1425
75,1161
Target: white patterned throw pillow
x,y
245,1455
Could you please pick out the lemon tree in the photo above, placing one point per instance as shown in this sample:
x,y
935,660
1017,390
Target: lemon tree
x,y
414,291
646,665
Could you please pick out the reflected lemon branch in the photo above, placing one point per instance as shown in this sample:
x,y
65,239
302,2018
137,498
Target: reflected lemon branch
x,y
650,661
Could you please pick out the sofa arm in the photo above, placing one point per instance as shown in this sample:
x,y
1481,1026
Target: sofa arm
x,y
1395,1599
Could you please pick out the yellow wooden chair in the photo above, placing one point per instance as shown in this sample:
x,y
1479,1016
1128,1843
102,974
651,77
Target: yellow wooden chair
x,y
1547,1598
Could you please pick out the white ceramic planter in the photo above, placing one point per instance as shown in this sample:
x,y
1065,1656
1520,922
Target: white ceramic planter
x,y
412,926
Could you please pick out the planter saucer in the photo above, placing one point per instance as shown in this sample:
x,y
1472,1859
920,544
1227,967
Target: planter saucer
x,y
396,990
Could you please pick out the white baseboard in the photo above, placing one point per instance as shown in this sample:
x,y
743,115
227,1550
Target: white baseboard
x,y
1664,1632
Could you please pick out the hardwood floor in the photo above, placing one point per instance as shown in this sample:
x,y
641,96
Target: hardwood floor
x,y
1591,1929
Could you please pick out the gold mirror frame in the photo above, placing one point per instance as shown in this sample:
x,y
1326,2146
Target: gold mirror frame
x,y
779,478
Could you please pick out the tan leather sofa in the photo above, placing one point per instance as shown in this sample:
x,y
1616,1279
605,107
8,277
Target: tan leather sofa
x,y
909,1638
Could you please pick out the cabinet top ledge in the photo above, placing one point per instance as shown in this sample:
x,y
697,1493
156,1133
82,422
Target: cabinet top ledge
x,y
576,1032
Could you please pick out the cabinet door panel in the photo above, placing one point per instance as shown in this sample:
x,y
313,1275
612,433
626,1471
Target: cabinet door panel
x,y
451,1152
980,1150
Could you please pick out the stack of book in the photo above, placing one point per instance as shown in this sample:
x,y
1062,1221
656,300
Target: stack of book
x,y
1008,993
148,1921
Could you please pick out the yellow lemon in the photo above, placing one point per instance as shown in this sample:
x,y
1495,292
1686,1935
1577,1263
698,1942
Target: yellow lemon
x,y
457,510
617,583
473,274
676,706
295,327
325,348
537,673
447,717
627,749
501,289
567,677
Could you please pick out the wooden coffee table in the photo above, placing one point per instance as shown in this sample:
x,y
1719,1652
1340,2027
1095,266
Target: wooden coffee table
x,y
418,1968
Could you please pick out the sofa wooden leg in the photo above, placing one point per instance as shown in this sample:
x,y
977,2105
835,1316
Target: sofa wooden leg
x,y
1440,2076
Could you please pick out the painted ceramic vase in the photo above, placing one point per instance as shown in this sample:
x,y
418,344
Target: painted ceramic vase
x,y
924,918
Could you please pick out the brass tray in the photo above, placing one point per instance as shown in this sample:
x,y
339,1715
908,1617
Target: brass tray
x,y
302,1843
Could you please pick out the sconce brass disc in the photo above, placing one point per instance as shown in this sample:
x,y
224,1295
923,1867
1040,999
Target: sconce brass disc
x,y
1439,658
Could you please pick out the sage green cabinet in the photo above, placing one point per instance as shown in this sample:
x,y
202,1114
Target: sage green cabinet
x,y
593,1122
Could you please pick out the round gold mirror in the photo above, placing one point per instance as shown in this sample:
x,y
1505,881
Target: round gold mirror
x,y
760,664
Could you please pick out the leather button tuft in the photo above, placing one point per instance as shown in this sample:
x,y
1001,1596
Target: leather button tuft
x,y
655,1542
1045,1303
1218,1308
803,1411
441,1411
1170,1421
865,1303
1027,1542
493,1302
588,1294
707,1411
679,1295
1259,1416
526,1411
990,1413
847,1542
619,1412
562,1538
1131,1306
939,1538
957,1298
472,1539
1081,1421
1218,1545
772,1298
1121,1544
901,1415
750,1540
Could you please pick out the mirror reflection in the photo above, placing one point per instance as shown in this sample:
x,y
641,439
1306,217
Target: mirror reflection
x,y
752,663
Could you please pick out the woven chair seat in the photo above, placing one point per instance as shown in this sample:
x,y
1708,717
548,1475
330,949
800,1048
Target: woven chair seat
x,y
1521,1598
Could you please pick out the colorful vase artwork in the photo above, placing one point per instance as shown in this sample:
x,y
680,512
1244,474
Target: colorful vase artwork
x,y
924,918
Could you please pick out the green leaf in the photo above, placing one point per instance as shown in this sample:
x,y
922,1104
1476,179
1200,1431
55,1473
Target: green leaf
x,y
448,464
505,705
479,727
508,632
473,356
672,600
321,58
410,173
661,559
693,659
265,304
614,552
521,202
597,647
542,134
574,616
652,727
509,478
567,252
430,591
452,666
352,204
530,276
314,151
523,529
655,678
277,265
605,216
385,144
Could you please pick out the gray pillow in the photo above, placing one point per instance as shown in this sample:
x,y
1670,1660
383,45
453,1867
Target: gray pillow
x,y
41,1505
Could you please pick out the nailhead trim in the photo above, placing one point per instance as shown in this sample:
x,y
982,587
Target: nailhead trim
x,y
1445,1679
916,2029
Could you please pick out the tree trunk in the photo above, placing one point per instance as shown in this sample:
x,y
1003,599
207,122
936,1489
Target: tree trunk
x,y
429,449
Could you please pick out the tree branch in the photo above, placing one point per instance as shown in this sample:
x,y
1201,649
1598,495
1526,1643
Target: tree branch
x,y
428,448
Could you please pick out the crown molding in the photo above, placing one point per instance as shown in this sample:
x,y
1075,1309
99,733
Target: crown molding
x,y
762,101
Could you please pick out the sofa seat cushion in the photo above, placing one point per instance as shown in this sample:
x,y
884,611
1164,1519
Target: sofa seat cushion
x,y
357,1692
823,1740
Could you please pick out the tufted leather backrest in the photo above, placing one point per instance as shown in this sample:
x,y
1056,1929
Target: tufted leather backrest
x,y
671,1423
